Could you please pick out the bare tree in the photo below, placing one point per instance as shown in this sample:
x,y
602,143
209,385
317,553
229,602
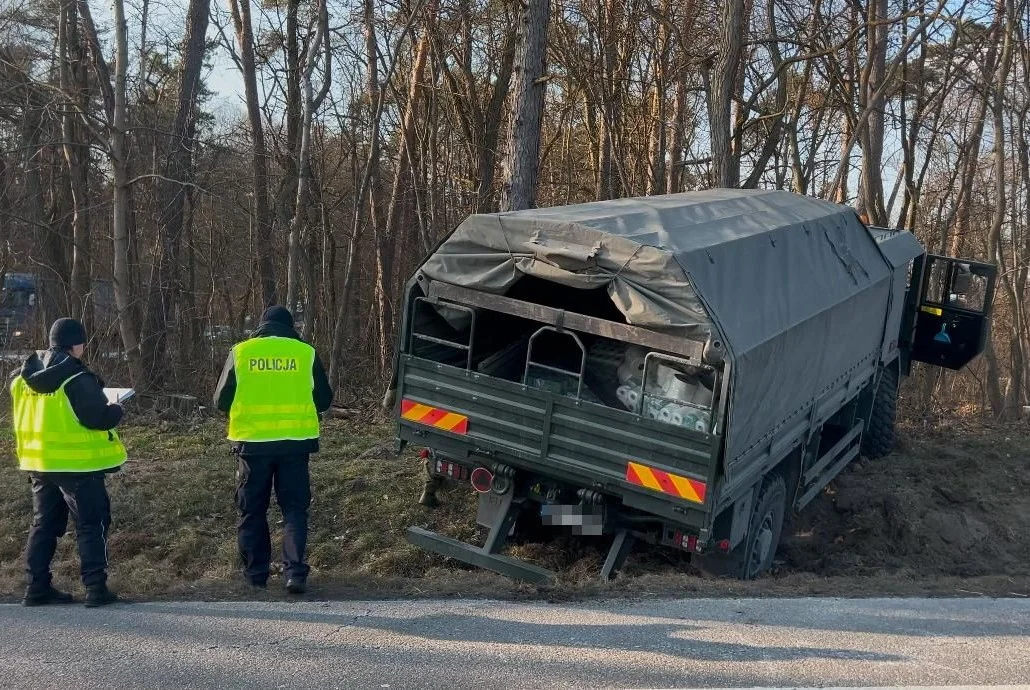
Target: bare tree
x,y
75,86
872,99
522,165
1004,403
318,52
262,212
173,187
113,88
387,285
721,77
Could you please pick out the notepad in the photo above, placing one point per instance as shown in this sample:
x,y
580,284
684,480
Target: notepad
x,y
118,395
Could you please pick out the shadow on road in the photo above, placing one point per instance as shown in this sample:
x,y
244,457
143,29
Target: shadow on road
x,y
659,638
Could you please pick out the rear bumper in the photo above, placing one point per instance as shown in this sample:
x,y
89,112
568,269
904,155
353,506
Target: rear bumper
x,y
474,555
472,453
570,441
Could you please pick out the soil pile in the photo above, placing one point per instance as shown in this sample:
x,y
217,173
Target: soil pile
x,y
943,504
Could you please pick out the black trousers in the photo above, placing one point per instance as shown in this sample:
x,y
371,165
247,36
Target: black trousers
x,y
255,478
54,496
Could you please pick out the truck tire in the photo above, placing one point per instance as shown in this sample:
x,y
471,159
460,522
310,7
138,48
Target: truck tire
x,y
878,436
754,556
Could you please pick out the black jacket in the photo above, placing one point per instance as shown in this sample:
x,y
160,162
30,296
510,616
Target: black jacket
x,y
322,394
46,370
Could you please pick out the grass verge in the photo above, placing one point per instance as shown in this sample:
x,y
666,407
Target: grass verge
x,y
947,515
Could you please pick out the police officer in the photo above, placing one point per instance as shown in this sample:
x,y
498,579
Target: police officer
x,y
273,388
65,439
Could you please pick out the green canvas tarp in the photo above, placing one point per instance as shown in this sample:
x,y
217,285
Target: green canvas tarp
x,y
797,288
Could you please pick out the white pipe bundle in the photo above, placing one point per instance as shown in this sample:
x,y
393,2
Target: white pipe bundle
x,y
634,399
629,397
631,371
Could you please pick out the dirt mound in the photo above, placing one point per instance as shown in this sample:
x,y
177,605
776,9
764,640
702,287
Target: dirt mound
x,y
941,505
943,509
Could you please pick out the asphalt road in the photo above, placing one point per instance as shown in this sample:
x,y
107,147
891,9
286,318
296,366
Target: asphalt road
x,y
486,644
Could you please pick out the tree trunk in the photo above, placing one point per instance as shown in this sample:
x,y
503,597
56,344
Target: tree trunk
x,y
1001,403
123,287
367,190
775,119
657,137
259,164
840,194
487,151
611,14
677,144
113,89
309,104
403,176
286,197
177,174
679,135
721,85
74,83
522,163
873,101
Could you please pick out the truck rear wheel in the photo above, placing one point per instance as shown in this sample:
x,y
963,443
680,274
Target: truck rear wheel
x,y
878,437
754,556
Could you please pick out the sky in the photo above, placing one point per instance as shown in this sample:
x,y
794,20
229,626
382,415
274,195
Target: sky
x,y
166,25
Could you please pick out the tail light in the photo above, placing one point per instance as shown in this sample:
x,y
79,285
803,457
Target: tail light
x,y
687,542
482,480
451,470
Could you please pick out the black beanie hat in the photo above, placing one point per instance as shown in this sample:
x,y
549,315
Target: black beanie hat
x,y
277,314
67,333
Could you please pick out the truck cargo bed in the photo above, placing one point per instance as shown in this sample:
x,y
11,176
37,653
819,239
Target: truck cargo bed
x,y
644,462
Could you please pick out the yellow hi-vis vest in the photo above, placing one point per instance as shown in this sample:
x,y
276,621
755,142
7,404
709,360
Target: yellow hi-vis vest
x,y
274,398
50,438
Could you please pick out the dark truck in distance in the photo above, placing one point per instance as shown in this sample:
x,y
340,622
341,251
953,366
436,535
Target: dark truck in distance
x,y
17,309
682,370
21,313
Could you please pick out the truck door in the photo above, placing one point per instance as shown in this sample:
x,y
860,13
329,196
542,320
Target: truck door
x,y
952,309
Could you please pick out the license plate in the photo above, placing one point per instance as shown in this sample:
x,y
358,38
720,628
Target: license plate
x,y
573,517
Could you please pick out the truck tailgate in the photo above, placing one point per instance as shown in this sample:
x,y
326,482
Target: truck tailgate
x,y
658,468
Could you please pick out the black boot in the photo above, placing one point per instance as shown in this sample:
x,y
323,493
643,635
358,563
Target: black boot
x,y
43,596
99,595
255,584
296,585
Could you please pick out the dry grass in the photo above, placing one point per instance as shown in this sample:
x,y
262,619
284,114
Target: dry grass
x,y
174,527
173,531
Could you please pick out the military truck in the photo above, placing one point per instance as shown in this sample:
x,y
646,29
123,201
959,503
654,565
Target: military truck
x,y
684,370
17,308
20,312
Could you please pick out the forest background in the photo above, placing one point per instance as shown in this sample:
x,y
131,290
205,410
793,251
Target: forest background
x,y
169,167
